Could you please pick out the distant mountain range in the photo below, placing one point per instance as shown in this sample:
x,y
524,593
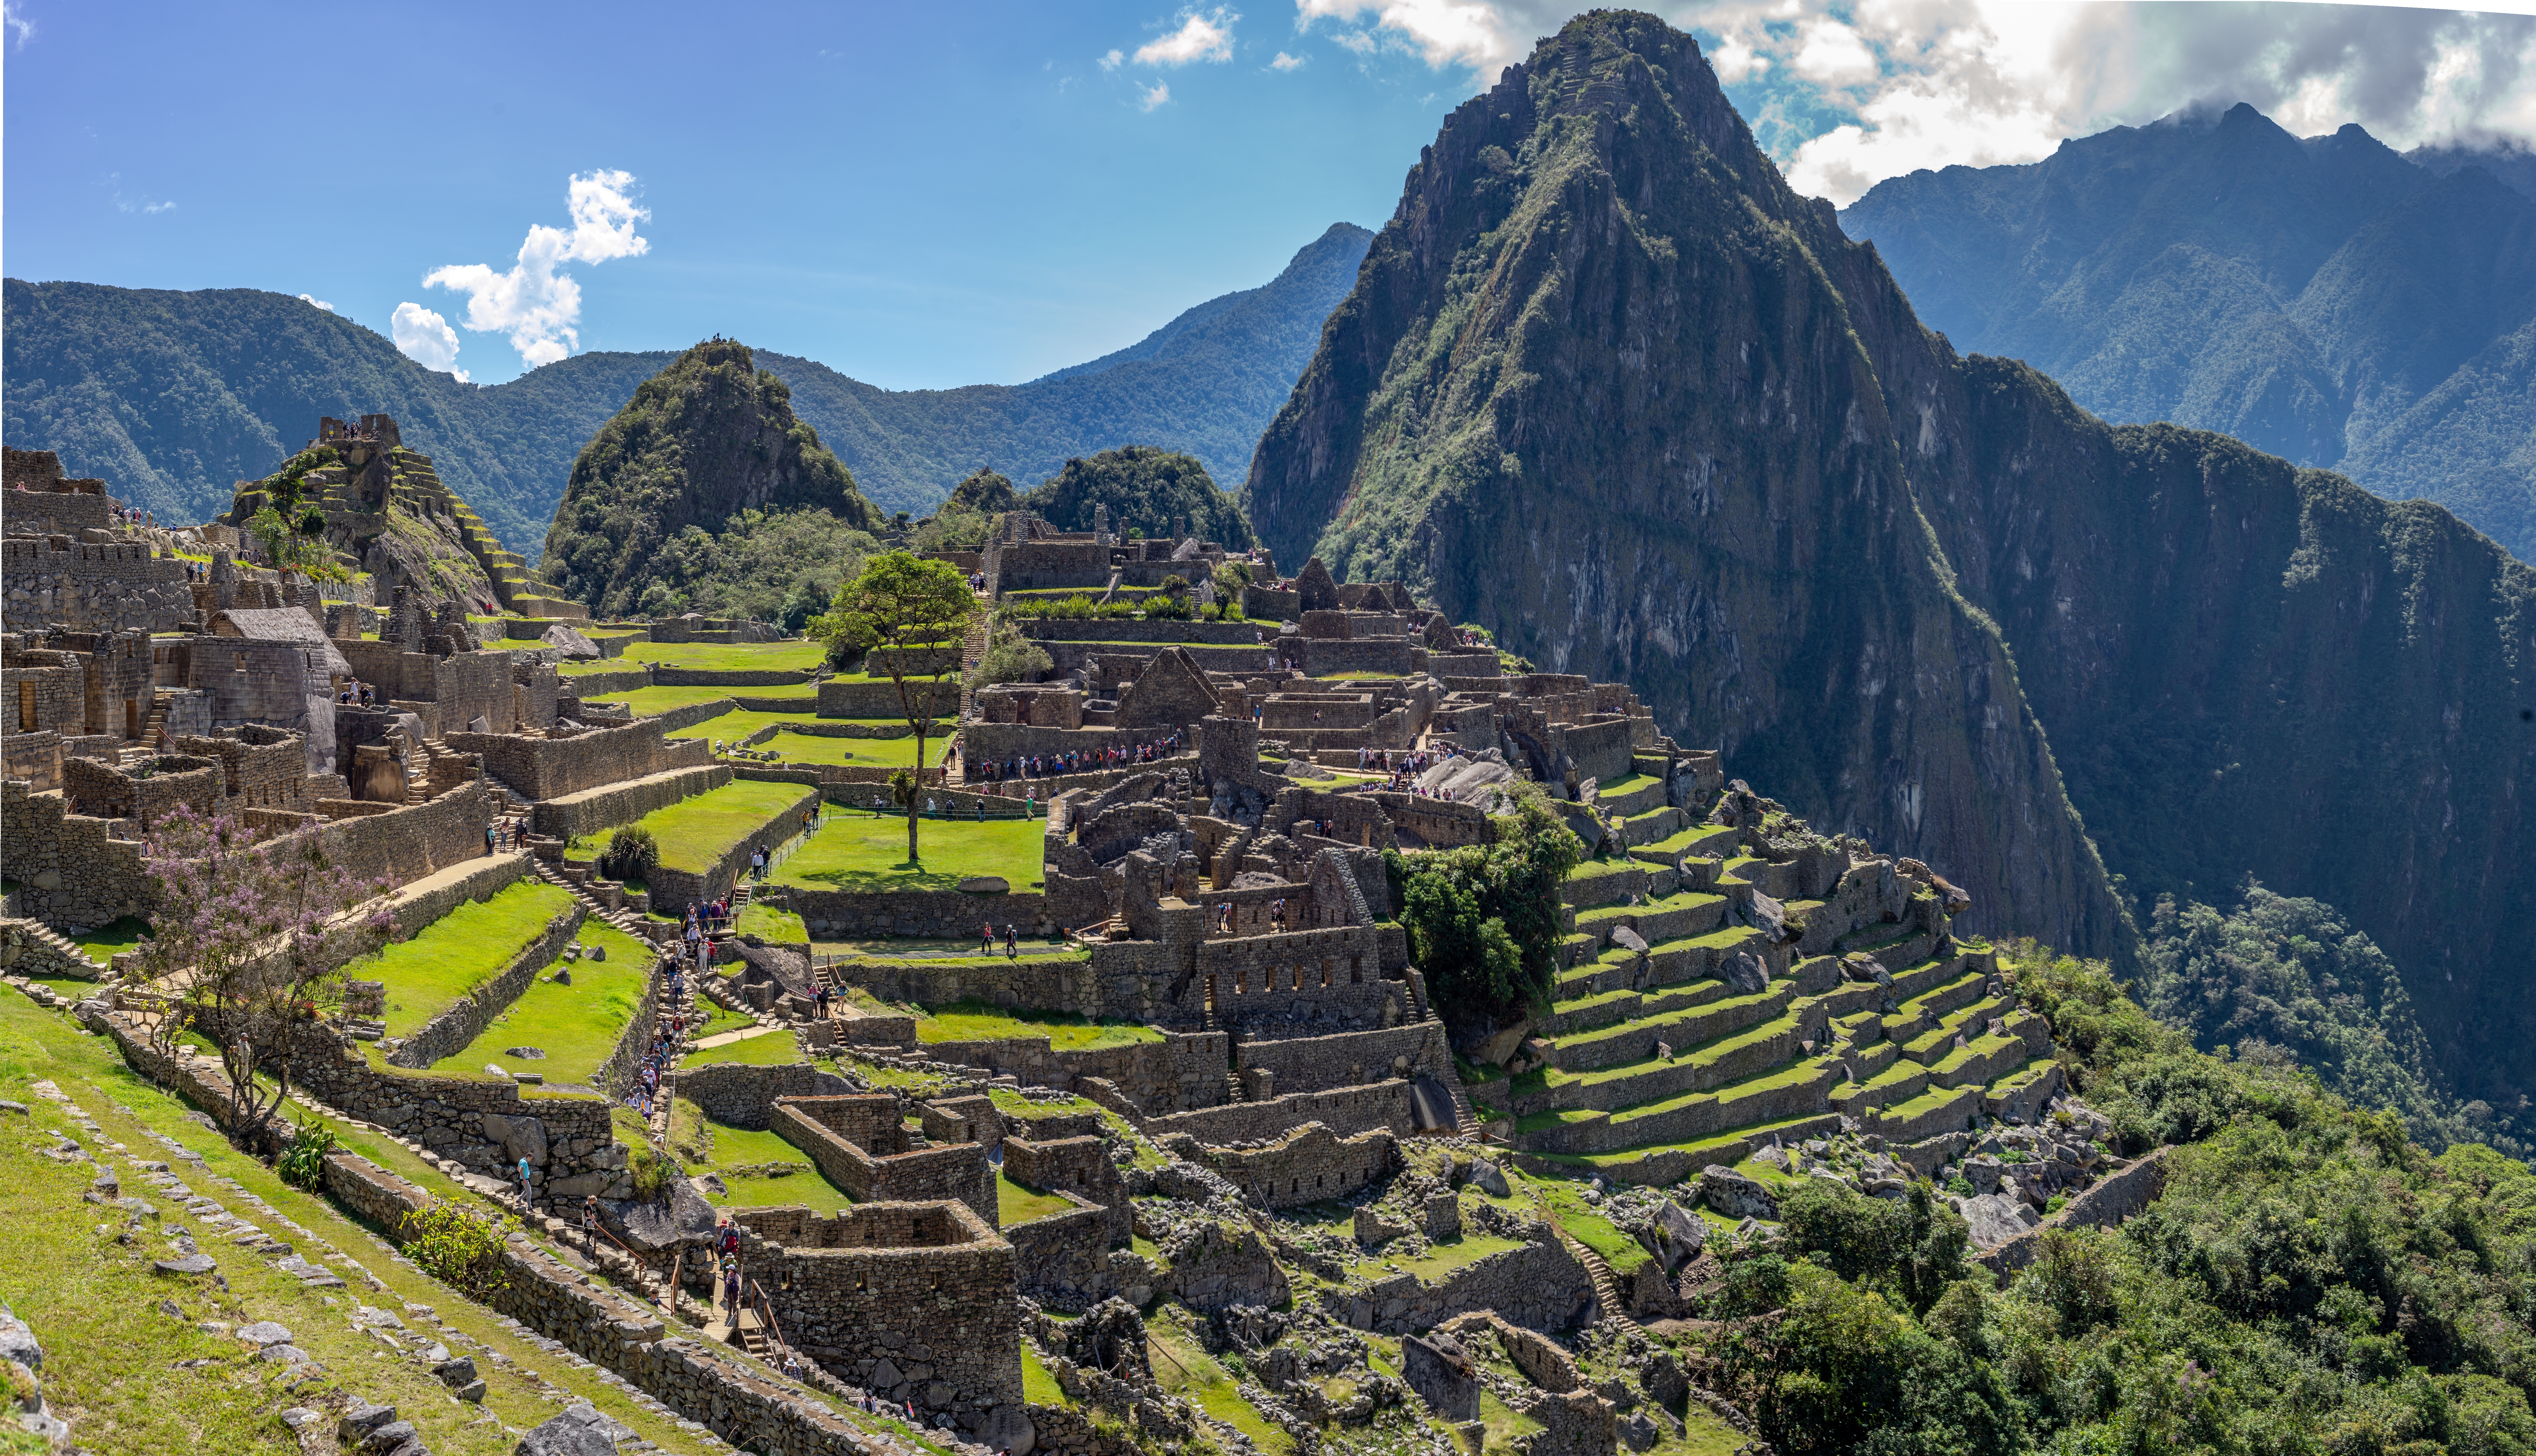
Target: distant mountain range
x,y
2326,299
172,397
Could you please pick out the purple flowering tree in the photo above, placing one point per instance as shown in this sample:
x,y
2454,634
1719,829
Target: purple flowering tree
x,y
249,943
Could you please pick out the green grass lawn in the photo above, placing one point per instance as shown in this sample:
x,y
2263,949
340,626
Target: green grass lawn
x,y
460,951
728,656
652,702
968,1021
867,852
774,1049
1196,1376
780,1172
740,722
105,941
873,753
576,1026
781,925
1015,1204
695,832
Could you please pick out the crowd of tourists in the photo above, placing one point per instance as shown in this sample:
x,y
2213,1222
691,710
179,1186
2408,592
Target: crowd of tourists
x,y
1084,760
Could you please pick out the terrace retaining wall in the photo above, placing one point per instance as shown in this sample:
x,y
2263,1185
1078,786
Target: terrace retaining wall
x,y
595,809
448,1033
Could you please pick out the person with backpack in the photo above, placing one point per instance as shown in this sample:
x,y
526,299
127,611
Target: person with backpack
x,y
528,1184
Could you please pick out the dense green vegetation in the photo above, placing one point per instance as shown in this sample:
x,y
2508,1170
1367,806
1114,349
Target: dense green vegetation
x,y
1146,490
173,395
2311,1282
710,438
1485,920
2336,307
769,566
2284,980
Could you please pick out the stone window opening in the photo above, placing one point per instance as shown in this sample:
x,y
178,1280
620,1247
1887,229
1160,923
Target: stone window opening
x,y
1326,977
1356,970
25,707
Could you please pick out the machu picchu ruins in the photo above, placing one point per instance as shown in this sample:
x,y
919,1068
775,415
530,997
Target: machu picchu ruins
x,y
1126,1116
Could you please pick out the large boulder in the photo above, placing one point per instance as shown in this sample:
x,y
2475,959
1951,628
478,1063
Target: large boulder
x,y
1997,1218
581,1431
569,640
1443,1375
1735,1196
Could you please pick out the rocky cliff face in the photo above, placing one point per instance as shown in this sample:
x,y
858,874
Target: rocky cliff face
x,y
1597,390
1608,387
708,438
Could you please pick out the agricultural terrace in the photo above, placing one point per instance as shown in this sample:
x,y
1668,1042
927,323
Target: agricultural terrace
x,y
652,702
727,657
860,850
696,832
459,952
576,1025
754,1168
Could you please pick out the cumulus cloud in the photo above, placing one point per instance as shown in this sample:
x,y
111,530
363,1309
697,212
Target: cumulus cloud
x,y
1200,37
20,29
425,337
535,304
1285,62
1110,61
1154,95
1846,92
317,303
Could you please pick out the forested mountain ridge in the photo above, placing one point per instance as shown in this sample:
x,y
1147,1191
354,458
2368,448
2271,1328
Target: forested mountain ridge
x,y
1608,387
2325,299
173,397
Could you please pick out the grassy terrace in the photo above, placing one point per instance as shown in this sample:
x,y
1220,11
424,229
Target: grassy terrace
x,y
460,951
775,1048
103,943
768,923
970,1021
858,850
576,1026
695,832
760,1169
730,657
1017,1204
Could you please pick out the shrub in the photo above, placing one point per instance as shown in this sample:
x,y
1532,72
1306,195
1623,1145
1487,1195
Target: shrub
x,y
303,1164
1009,658
459,1246
650,1171
631,855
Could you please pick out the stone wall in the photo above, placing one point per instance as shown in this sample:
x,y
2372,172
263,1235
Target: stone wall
x,y
1305,1166
542,768
881,700
856,1142
1350,1059
2105,1205
1184,1069
1063,1258
1075,1165
740,1095
1539,1287
484,1124
108,587
914,1302
944,914
448,1033
1345,1111
415,908
593,810
589,1318
68,872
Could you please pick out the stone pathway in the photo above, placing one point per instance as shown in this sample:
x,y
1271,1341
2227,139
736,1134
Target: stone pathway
x,y
724,1038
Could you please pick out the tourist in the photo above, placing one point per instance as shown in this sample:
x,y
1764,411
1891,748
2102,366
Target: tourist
x,y
490,839
730,1285
528,1184
1012,939
986,938
590,1223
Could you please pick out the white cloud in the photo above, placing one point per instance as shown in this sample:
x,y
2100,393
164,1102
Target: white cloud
x,y
1445,32
538,307
1155,96
315,301
1200,37
20,29
1853,92
1285,62
1110,61
425,337
159,207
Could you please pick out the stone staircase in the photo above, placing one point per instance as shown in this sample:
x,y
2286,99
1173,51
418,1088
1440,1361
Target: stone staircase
x,y
1607,1289
623,919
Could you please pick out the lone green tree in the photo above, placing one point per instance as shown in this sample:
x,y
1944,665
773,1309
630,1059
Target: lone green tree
x,y
909,618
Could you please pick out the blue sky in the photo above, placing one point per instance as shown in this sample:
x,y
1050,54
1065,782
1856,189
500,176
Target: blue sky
x,y
954,194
